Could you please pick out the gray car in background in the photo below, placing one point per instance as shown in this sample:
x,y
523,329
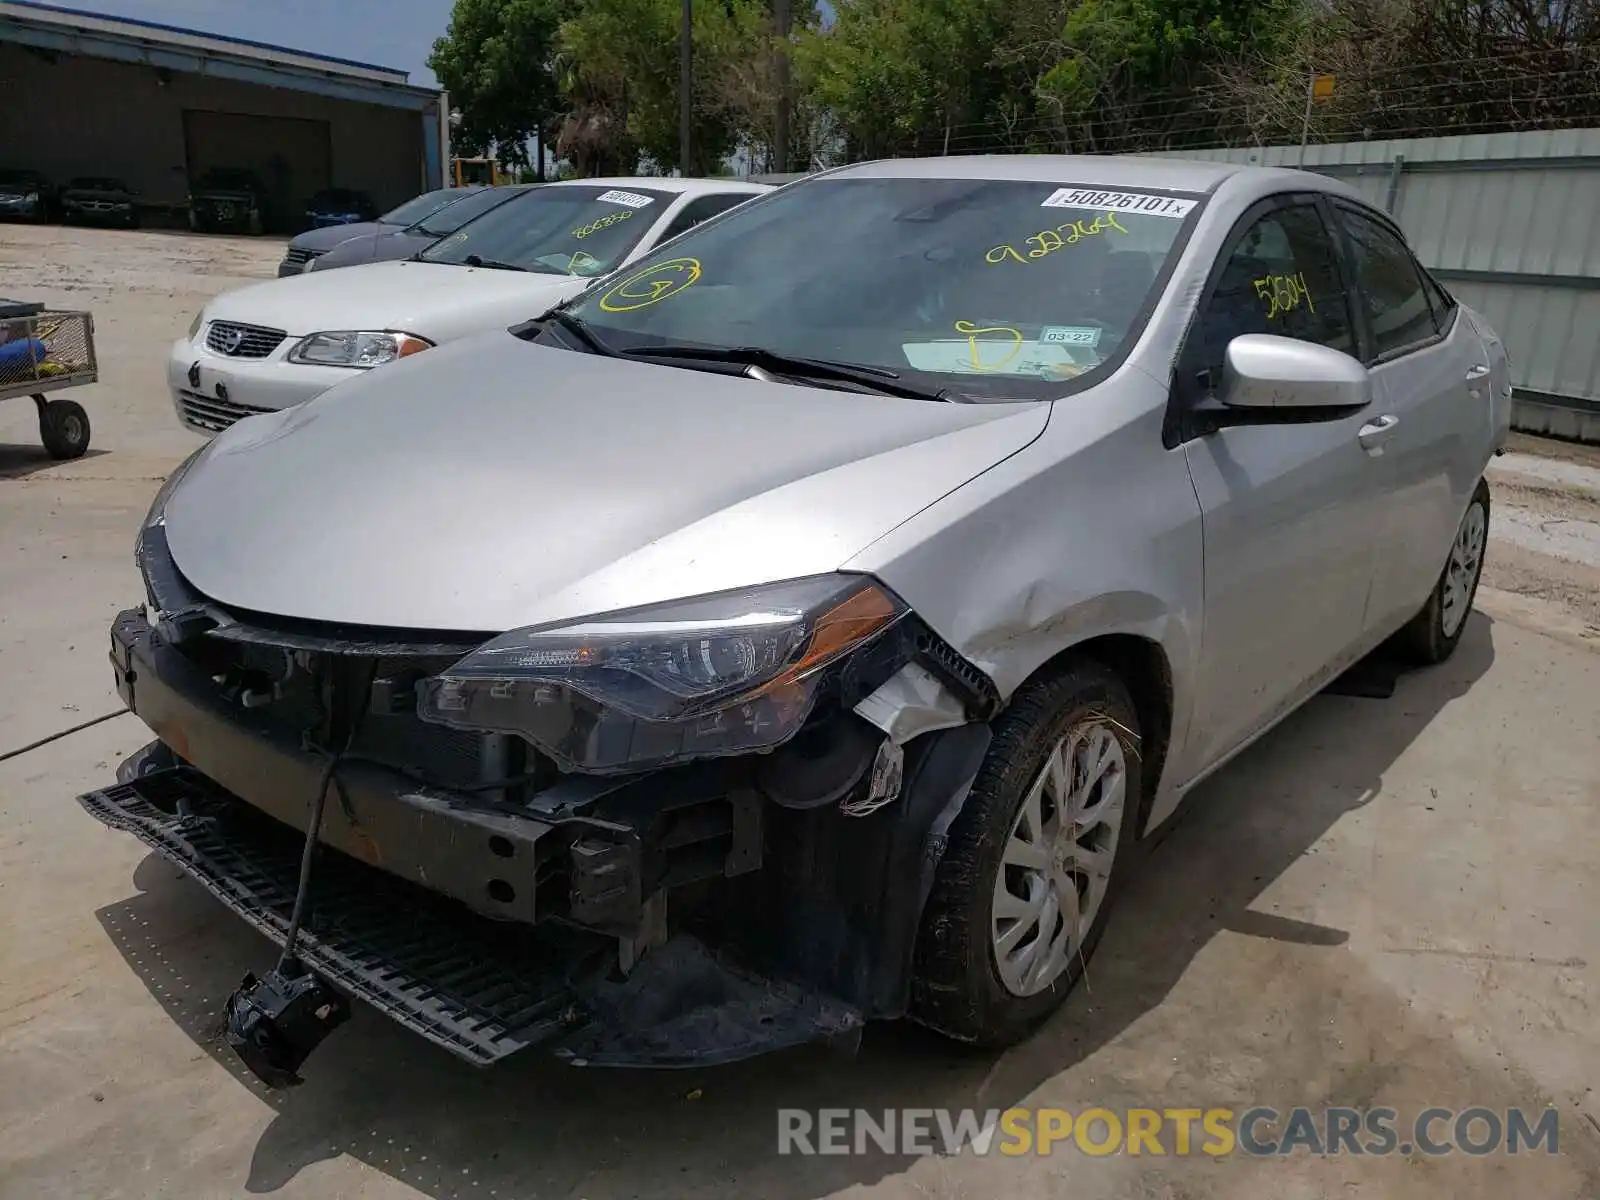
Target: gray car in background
x,y
388,244
316,242
806,622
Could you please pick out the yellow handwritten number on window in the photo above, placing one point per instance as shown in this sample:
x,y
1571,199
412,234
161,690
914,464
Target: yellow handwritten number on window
x,y
972,331
1284,293
651,285
1048,241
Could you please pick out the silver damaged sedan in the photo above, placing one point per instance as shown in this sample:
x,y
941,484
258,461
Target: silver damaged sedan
x,y
803,626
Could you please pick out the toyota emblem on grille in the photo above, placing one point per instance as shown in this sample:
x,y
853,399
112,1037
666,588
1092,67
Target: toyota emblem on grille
x,y
232,339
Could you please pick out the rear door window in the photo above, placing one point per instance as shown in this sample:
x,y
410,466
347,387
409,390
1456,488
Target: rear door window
x,y
1389,284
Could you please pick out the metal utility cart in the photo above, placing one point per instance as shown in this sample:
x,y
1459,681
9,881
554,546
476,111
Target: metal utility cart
x,y
43,351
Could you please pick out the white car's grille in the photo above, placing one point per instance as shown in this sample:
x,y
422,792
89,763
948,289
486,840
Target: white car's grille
x,y
211,415
243,341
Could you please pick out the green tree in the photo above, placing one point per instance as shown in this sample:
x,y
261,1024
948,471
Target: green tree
x,y
1129,70
913,76
619,71
496,59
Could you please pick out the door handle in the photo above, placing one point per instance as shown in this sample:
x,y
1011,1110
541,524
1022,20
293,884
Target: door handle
x,y
1375,433
1477,371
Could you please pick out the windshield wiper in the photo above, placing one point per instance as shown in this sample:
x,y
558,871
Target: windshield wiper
x,y
493,264
872,379
579,328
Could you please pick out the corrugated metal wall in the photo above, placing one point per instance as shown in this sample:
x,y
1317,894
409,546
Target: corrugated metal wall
x,y
1511,223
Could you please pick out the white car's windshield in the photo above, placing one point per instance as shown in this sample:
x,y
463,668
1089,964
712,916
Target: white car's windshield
x,y
997,287
555,230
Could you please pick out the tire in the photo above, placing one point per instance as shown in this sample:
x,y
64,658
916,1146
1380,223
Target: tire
x,y
64,429
1433,634
959,987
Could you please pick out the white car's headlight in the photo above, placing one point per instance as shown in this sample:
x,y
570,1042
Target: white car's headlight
x,y
356,348
194,325
32,198
734,673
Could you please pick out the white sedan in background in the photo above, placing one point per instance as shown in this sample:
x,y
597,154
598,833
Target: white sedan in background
x,y
275,345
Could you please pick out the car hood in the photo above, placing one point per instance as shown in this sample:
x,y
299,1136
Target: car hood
x,y
330,236
94,194
494,483
428,299
389,246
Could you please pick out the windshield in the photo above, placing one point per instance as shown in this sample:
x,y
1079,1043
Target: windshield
x,y
471,206
20,177
98,183
556,230
419,207
1000,288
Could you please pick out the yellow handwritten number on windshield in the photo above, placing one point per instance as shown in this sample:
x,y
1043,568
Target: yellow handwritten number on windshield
x,y
1048,241
651,285
972,331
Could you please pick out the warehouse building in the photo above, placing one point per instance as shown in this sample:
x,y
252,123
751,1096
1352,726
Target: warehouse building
x,y
157,107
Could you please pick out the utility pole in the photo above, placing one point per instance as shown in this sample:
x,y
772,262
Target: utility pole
x,y
685,80
781,21
1305,122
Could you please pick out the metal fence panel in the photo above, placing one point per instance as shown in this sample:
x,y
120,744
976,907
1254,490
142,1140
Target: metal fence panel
x,y
1510,222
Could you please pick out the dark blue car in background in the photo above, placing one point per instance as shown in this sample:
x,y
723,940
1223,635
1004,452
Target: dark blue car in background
x,y
320,240
340,206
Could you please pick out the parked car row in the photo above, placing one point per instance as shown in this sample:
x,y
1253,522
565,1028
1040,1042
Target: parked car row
x,y
102,199
518,251
223,199
777,610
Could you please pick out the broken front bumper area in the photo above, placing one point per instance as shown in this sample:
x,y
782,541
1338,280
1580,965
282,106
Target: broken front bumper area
x,y
491,920
479,988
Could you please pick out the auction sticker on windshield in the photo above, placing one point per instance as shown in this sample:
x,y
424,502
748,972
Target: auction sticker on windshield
x,y
1144,203
631,199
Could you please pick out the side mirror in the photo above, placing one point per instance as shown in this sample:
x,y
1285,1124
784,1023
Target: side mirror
x,y
1264,371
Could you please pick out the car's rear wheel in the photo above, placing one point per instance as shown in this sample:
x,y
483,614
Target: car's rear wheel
x,y
1022,893
1434,633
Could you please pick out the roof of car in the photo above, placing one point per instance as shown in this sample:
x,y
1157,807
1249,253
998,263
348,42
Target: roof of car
x,y
1171,174
669,183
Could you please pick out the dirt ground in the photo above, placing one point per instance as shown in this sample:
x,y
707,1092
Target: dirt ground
x,y
1385,902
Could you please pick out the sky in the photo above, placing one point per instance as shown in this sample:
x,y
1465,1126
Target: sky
x,y
387,33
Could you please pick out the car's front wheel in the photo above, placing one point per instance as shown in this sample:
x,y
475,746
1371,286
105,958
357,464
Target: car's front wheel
x,y
1434,633
1022,893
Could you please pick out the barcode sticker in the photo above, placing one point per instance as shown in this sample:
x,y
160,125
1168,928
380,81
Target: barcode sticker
x,y
1139,203
631,199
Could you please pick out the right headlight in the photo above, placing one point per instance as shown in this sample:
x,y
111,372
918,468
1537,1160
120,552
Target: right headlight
x,y
734,673
357,348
